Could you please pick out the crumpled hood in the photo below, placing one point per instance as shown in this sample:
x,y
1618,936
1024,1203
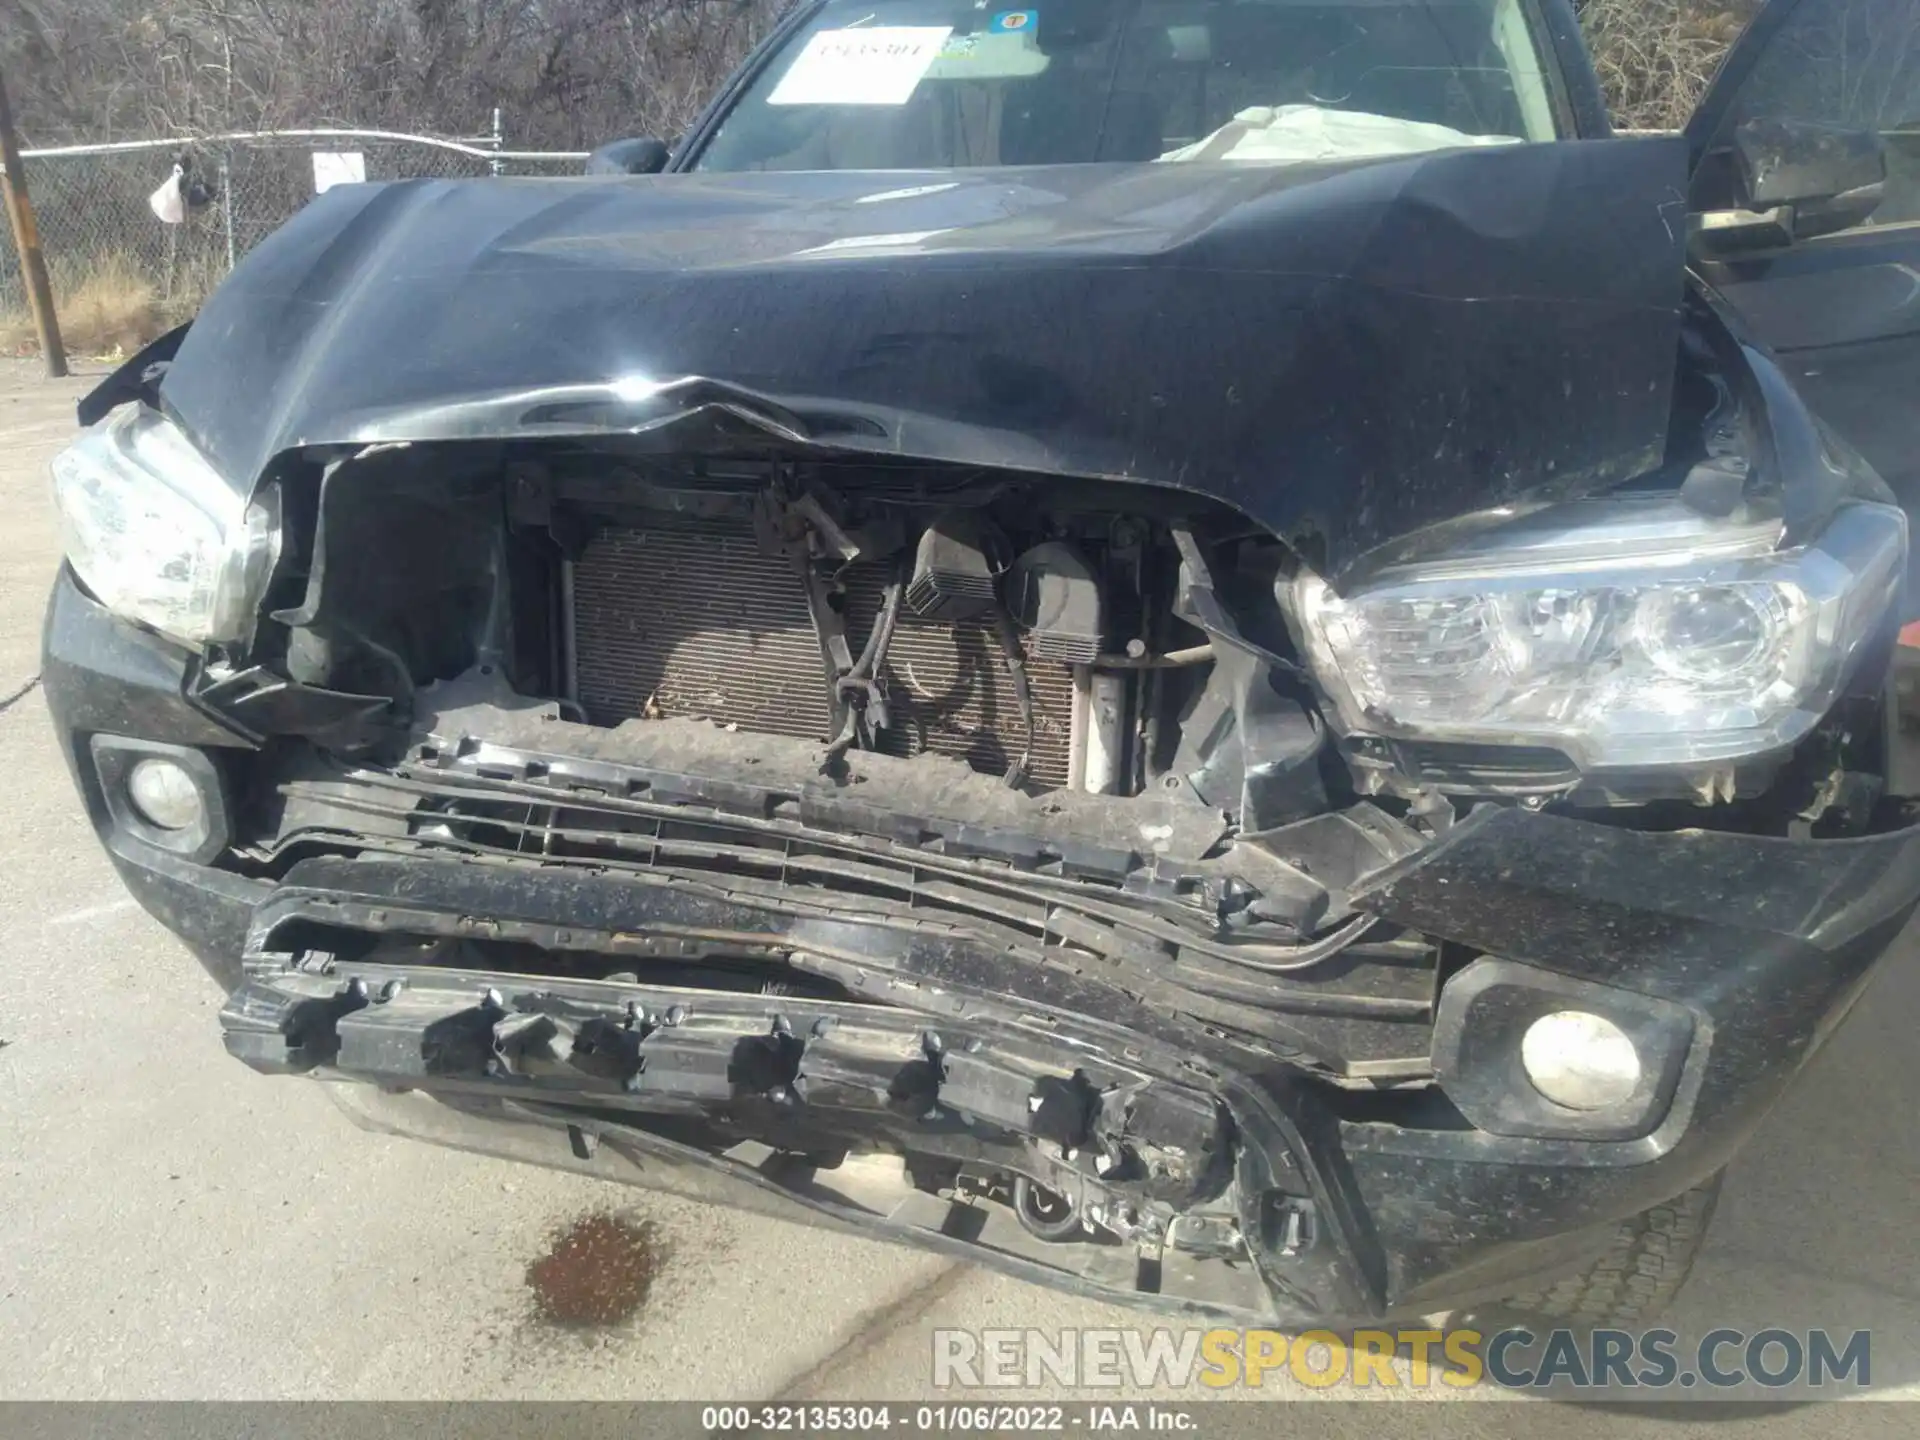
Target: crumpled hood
x,y
1346,352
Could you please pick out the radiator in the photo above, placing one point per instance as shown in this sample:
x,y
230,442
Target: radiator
x,y
691,618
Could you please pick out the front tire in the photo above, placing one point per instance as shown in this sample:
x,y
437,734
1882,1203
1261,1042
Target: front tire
x,y
1641,1272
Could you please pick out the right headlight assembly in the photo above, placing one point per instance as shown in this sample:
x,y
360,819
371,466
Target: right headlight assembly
x,y
157,534
1623,632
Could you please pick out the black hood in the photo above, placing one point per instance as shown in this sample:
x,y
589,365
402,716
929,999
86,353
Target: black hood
x,y
1347,353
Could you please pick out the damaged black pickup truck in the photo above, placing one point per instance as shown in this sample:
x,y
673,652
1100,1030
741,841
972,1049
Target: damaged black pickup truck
x,y
1209,650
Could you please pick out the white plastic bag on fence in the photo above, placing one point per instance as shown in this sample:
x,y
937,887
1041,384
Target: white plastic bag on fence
x,y
169,202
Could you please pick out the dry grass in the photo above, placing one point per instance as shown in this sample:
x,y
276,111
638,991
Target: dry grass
x,y
105,306
1655,57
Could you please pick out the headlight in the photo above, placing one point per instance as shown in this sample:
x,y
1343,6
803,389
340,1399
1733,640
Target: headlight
x,y
1622,632
155,532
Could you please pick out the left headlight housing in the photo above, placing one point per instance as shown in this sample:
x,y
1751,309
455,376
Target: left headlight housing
x,y
1623,633
157,535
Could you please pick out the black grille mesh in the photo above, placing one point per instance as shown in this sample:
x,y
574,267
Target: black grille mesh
x,y
693,619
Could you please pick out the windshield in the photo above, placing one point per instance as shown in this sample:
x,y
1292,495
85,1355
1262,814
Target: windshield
x,y
929,84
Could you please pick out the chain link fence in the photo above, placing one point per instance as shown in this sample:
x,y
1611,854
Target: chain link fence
x,y
122,275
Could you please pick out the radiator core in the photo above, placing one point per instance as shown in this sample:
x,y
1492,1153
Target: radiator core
x,y
692,618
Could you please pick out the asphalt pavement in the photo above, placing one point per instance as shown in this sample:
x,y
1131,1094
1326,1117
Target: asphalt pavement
x,y
174,1226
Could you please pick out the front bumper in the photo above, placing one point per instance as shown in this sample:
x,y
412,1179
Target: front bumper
x,y
1762,945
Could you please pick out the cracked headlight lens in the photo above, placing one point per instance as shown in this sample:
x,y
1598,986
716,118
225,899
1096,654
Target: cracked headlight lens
x,y
157,534
1622,632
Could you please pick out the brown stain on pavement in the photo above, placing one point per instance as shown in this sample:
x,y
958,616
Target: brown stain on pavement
x,y
597,1272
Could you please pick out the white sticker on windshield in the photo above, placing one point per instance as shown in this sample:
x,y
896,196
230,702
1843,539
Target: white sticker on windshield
x,y
867,65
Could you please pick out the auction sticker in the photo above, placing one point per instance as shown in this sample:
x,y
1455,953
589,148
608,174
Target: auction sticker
x,y
866,65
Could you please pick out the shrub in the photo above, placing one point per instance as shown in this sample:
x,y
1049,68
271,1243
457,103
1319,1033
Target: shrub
x,y
105,305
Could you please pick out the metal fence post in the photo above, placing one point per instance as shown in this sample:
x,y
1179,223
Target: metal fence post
x,y
226,202
496,165
26,239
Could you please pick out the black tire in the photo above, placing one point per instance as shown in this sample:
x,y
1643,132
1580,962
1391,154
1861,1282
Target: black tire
x,y
1641,1271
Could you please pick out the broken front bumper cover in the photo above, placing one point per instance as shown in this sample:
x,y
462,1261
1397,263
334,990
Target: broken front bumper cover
x,y
1246,1191
930,1062
625,1079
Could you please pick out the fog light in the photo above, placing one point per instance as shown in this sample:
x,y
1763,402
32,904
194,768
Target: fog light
x,y
164,795
1580,1060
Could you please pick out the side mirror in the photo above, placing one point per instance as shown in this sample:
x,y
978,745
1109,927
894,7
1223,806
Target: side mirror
x,y
645,156
1793,180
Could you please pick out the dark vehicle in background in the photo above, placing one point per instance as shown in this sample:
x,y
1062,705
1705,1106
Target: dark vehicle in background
x,y
1209,650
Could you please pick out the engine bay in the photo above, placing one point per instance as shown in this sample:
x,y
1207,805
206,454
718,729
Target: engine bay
x,y
1030,633
1054,634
